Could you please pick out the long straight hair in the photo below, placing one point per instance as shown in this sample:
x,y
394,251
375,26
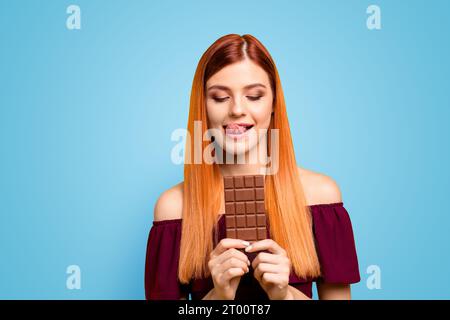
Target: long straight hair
x,y
289,216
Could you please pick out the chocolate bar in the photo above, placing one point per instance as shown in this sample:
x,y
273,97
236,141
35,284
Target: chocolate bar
x,y
245,212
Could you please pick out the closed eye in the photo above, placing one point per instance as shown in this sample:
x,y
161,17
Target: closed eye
x,y
254,98
220,99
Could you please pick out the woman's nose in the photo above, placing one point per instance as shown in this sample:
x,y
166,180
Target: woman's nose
x,y
237,108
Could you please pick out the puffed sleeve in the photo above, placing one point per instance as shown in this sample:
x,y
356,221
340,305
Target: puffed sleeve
x,y
161,264
335,244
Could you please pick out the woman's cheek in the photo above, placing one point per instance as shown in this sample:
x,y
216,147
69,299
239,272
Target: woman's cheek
x,y
214,116
262,116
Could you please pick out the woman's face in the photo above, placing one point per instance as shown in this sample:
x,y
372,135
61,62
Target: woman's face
x,y
239,102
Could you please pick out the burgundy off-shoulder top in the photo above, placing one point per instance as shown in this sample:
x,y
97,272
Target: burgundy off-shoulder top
x,y
335,247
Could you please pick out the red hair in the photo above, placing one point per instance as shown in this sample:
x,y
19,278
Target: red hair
x,y
289,216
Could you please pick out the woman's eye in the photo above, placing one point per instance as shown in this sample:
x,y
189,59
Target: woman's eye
x,y
220,99
254,98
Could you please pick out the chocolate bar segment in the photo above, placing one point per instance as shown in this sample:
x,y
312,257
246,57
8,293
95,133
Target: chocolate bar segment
x,y
245,214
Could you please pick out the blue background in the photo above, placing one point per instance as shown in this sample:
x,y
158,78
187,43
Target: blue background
x,y
86,117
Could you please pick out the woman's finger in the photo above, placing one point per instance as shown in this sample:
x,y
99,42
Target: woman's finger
x,y
266,244
267,267
274,278
272,268
231,253
230,274
228,243
268,258
233,263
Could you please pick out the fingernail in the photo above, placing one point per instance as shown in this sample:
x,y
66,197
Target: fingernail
x,y
245,243
248,262
248,248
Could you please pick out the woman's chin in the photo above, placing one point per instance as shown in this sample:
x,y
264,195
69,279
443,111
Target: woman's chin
x,y
239,152
236,153
233,148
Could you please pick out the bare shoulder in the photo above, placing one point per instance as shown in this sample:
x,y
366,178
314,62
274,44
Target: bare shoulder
x,y
319,188
170,204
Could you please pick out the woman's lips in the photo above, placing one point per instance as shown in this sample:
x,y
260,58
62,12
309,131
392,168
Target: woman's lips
x,y
237,130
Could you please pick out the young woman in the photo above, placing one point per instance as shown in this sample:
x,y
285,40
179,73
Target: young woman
x,y
237,92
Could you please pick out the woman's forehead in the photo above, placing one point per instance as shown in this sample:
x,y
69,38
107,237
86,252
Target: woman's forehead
x,y
239,75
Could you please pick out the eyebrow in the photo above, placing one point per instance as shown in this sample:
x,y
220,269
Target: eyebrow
x,y
250,86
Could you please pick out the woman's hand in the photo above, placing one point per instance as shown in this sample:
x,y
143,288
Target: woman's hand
x,y
227,265
272,270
